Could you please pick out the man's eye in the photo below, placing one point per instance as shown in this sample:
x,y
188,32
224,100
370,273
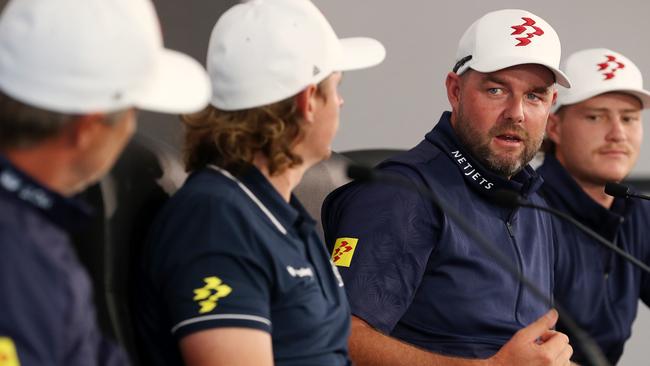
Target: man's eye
x,y
494,91
630,119
533,97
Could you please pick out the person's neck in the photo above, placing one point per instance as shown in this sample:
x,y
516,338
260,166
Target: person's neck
x,y
284,182
596,192
46,165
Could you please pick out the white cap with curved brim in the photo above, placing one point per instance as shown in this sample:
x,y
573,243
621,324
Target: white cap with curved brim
x,y
264,51
510,37
86,56
596,71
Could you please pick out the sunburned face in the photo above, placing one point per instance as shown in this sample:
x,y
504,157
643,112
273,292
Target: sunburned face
x,y
320,134
500,117
598,140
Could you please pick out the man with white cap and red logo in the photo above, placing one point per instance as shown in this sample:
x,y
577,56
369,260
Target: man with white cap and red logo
x,y
421,291
594,137
234,272
72,73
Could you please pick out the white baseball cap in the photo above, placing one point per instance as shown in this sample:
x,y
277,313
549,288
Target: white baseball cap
x,y
84,56
596,71
510,37
264,51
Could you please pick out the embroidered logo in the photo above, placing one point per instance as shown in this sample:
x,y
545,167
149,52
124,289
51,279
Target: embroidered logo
x,y
469,171
529,28
343,251
610,66
208,295
8,355
300,272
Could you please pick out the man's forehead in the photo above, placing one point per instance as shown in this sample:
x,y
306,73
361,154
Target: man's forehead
x,y
619,101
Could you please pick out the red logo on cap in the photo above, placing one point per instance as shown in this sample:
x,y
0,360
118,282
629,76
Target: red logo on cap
x,y
610,66
520,29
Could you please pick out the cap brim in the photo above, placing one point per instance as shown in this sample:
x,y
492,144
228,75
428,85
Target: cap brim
x,y
360,53
179,85
560,77
643,95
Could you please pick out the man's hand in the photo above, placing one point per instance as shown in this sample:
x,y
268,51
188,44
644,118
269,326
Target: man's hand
x,y
536,345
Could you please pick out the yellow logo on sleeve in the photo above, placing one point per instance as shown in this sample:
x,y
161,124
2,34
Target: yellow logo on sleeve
x,y
8,355
208,295
343,251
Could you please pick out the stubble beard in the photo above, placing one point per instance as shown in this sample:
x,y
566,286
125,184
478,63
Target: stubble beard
x,y
479,146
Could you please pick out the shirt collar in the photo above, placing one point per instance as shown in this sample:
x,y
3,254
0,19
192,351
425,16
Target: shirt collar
x,y
526,182
560,189
290,215
68,213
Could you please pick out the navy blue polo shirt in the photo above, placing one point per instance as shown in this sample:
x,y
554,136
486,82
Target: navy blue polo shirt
x,y
46,312
412,273
599,288
229,253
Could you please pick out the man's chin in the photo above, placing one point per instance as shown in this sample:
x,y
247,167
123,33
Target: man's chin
x,y
505,167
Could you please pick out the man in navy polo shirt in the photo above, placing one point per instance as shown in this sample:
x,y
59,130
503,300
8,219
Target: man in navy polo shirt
x,y
421,290
234,271
594,137
71,73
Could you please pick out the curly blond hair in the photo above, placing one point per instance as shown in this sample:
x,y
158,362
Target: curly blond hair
x,y
230,139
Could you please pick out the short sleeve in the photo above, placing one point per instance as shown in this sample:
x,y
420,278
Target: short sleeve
x,y
215,270
381,237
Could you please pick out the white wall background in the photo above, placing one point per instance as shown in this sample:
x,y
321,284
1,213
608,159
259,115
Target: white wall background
x,y
395,104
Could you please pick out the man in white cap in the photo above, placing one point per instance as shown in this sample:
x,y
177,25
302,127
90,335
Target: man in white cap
x,y
594,137
234,272
72,73
421,291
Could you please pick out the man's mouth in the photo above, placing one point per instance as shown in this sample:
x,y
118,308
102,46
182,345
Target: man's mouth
x,y
509,138
614,151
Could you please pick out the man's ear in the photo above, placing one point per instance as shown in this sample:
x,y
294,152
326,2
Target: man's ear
x,y
452,83
306,102
553,128
82,130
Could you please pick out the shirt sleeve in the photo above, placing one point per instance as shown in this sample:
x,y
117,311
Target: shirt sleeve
x,y
24,290
46,316
216,272
381,237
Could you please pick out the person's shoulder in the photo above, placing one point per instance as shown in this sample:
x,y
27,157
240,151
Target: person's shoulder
x,y
13,211
423,154
23,228
15,245
205,190
207,183
641,208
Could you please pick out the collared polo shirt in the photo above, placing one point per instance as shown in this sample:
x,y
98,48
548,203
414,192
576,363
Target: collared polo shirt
x,y
412,273
600,289
46,312
231,252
